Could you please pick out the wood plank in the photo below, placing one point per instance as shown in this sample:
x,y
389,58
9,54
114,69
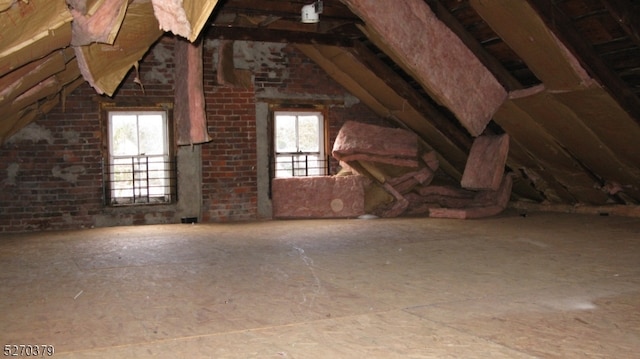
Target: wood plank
x,y
562,25
574,130
31,31
551,156
533,181
226,72
517,23
341,77
277,36
27,76
10,125
607,120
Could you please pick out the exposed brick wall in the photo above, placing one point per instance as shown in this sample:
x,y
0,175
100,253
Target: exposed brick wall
x,y
290,74
229,183
300,76
51,172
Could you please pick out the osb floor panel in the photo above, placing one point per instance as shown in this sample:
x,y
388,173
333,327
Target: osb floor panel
x,y
540,286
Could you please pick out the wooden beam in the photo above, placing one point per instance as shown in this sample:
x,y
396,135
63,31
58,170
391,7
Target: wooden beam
x,y
520,27
17,82
31,31
347,70
562,25
281,36
550,156
628,16
331,10
414,99
579,121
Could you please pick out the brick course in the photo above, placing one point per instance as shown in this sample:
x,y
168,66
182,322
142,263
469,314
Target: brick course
x,y
51,172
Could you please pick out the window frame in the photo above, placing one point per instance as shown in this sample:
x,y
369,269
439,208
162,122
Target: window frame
x,y
170,195
322,145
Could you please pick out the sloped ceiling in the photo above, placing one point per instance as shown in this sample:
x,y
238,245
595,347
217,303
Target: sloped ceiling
x,y
561,77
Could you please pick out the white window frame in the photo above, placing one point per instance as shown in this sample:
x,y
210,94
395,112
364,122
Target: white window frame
x,y
147,177
298,163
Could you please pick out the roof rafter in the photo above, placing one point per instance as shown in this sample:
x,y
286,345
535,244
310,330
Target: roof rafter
x,y
562,26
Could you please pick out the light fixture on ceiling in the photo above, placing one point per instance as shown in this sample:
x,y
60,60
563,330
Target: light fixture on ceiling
x,y
311,12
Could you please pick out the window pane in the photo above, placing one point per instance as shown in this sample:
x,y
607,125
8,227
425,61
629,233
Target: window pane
x,y
283,167
308,132
286,133
157,176
151,134
122,182
140,170
315,166
299,139
300,165
124,138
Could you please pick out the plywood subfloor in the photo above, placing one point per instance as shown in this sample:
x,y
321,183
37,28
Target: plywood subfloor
x,y
540,286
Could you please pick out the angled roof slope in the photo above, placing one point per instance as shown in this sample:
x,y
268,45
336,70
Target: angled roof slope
x,y
562,78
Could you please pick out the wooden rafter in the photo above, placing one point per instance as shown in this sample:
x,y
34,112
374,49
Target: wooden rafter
x,y
402,88
562,26
282,36
627,16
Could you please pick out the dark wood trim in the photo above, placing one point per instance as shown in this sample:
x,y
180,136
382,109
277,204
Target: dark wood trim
x,y
627,16
278,36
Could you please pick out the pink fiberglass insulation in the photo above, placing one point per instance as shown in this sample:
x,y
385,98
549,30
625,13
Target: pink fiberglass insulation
x,y
189,108
102,26
359,141
318,197
172,17
436,56
486,163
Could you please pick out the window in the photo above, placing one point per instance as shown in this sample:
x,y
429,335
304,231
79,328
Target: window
x,y
299,144
140,170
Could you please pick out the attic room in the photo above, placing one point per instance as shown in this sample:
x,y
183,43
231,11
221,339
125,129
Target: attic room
x,y
312,179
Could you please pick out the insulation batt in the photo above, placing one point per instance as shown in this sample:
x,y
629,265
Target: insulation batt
x,y
359,141
437,58
318,197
